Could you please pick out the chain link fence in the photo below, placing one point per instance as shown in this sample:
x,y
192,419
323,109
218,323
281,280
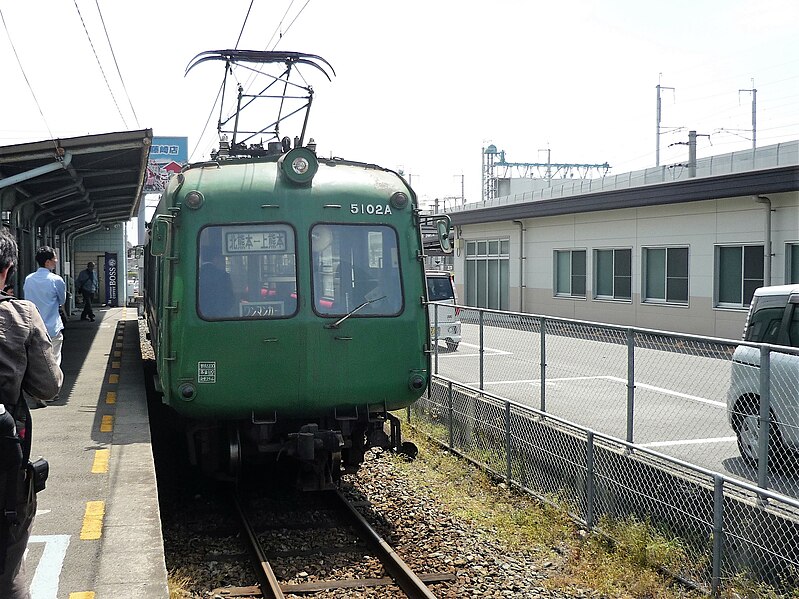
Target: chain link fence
x,y
692,435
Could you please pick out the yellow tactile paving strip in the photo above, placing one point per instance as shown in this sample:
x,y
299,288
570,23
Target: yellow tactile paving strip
x,y
92,528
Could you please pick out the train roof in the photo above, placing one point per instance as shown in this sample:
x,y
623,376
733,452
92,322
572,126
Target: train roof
x,y
331,171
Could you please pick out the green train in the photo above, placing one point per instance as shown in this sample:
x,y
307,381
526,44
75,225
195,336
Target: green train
x,y
285,297
285,293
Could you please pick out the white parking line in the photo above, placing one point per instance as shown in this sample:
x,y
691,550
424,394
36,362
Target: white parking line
x,y
719,404
688,442
489,351
538,381
615,379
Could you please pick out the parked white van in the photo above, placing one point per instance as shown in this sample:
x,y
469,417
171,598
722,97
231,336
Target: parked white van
x,y
774,319
440,288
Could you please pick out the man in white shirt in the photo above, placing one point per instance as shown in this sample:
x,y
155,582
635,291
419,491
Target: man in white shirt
x,y
48,292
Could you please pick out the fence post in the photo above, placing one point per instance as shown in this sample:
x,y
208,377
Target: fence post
x,y
589,480
435,340
763,440
543,364
630,383
508,472
450,415
482,350
718,533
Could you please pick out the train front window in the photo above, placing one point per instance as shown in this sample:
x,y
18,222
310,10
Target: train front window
x,y
247,272
354,265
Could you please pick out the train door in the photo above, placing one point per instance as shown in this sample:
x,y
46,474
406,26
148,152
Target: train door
x,y
246,308
357,293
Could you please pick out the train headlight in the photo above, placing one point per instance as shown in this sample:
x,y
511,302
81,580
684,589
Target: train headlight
x,y
299,165
416,382
193,200
187,391
398,200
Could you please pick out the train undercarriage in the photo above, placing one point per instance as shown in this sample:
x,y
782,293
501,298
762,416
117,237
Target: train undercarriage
x,y
316,452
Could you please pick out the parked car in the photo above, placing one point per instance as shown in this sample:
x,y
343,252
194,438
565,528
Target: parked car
x,y
774,319
441,288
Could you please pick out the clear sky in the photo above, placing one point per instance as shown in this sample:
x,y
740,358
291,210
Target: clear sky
x,y
421,86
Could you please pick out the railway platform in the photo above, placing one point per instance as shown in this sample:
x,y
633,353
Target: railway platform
x,y
97,533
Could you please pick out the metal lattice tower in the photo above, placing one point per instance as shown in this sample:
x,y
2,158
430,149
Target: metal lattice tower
x,y
489,180
494,168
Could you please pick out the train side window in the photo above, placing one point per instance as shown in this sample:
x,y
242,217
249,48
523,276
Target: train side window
x,y
355,265
247,272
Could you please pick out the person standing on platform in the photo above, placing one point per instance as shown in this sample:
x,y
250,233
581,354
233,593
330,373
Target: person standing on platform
x,y
86,284
49,292
26,364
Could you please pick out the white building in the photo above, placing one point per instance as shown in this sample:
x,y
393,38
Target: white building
x,y
658,248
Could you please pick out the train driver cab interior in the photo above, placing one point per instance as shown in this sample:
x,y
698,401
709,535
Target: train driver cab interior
x,y
247,272
355,267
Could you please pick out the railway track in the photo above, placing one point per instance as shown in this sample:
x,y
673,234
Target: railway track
x,y
326,543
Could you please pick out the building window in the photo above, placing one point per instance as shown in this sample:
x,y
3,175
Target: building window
x,y
613,272
666,275
487,273
739,271
792,255
570,273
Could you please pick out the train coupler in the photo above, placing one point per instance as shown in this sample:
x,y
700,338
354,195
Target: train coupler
x,y
310,441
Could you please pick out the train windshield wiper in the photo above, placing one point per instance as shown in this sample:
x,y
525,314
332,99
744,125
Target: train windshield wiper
x,y
336,324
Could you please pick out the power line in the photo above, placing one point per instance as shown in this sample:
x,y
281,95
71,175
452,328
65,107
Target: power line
x,y
277,29
221,86
251,77
30,87
102,20
97,58
247,16
297,16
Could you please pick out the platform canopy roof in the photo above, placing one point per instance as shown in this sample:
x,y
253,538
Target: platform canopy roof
x,y
75,182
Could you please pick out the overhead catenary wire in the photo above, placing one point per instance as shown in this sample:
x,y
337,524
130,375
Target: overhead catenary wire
x,y
116,64
297,16
221,87
244,24
27,81
99,64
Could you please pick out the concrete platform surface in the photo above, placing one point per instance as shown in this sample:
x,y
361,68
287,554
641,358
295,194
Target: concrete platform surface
x,y
97,533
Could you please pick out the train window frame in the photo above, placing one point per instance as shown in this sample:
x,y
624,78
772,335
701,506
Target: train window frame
x,y
264,307
320,300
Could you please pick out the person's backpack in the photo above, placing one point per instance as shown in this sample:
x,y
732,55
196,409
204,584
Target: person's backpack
x,y
15,451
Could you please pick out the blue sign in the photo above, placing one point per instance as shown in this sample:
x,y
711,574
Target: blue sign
x,y
168,155
170,149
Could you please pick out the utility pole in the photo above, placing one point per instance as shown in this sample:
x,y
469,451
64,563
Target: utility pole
x,y
657,130
692,135
754,112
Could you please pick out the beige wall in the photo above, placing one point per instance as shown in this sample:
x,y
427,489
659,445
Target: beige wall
x,y
699,225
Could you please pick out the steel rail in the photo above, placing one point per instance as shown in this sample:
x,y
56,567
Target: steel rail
x,y
393,563
269,582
